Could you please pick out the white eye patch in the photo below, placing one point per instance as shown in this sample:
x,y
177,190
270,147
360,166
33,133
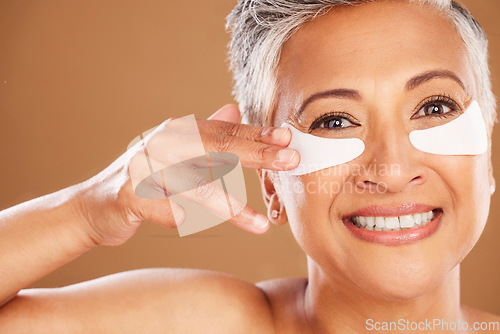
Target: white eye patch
x,y
317,153
465,135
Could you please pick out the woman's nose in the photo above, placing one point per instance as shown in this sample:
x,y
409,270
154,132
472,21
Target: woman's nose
x,y
389,164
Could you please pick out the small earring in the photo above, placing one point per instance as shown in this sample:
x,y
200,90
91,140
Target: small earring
x,y
492,189
274,214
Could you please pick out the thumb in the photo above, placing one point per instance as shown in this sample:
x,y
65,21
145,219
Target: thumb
x,y
228,113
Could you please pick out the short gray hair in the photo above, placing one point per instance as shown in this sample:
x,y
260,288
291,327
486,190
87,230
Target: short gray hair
x,y
260,27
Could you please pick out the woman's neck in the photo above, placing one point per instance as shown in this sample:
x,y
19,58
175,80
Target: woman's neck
x,y
339,306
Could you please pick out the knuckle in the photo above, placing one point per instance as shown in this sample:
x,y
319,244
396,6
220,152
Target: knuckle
x,y
237,208
258,153
157,139
258,133
137,164
203,189
230,129
223,143
137,159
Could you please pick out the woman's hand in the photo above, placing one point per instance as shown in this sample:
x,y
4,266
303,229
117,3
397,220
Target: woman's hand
x,y
113,211
50,231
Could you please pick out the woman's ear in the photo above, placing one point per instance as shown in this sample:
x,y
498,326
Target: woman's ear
x,y
275,209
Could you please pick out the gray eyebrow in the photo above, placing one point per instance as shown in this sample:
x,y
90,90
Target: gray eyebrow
x,y
429,75
342,93
345,93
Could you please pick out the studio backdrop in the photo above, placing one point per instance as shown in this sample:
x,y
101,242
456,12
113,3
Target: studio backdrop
x,y
80,79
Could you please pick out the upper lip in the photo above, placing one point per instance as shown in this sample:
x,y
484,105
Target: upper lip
x,y
401,209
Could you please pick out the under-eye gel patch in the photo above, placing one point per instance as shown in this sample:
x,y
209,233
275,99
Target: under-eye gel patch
x,y
465,135
317,153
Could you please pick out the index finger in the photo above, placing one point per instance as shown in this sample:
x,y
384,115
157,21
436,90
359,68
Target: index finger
x,y
266,135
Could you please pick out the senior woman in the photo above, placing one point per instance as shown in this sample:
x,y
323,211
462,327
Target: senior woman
x,y
377,72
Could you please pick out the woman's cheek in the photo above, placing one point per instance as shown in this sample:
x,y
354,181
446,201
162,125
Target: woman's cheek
x,y
467,202
308,199
475,199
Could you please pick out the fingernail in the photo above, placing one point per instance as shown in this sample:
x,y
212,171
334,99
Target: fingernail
x,y
261,222
286,155
281,134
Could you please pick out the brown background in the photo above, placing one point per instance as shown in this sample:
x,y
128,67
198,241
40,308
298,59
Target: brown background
x,y
80,79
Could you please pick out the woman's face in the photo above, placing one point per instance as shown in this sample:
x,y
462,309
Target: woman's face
x,y
374,56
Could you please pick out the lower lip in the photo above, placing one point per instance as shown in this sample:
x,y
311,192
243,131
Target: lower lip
x,y
393,238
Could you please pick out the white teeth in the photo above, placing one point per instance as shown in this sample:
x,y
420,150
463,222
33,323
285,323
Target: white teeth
x,y
379,222
418,218
370,223
406,221
425,219
393,223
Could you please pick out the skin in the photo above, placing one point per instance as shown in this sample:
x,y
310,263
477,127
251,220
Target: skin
x,y
369,280
349,280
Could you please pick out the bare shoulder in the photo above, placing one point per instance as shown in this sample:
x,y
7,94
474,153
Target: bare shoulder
x,y
145,301
283,288
286,297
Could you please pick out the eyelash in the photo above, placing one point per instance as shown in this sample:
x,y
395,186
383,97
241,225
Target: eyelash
x,y
442,99
331,116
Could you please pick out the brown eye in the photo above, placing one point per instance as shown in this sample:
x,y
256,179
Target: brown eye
x,y
433,109
335,123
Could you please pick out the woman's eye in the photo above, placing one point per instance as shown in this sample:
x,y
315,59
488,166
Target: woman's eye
x,y
336,123
433,109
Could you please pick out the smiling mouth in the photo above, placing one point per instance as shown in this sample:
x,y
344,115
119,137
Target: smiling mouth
x,y
396,223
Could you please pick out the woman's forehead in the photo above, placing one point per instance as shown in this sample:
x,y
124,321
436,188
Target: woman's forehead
x,y
371,44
